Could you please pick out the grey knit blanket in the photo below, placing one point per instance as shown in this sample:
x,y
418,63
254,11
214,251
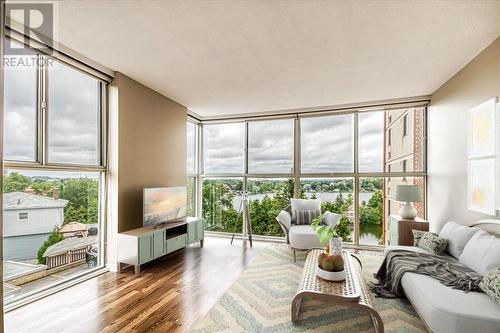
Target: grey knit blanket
x,y
398,262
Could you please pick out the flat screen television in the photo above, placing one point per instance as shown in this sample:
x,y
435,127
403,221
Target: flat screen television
x,y
164,204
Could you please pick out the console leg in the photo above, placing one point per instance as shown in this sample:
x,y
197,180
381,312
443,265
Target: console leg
x,y
137,269
201,243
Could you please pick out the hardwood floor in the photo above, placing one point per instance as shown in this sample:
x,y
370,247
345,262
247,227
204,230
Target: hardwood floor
x,y
171,294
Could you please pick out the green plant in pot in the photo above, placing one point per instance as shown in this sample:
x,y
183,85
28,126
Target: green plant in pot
x,y
330,261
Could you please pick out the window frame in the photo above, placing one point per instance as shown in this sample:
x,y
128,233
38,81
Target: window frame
x,y
41,164
42,119
297,175
23,219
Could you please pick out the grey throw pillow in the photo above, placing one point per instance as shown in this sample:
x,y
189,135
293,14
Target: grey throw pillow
x,y
417,234
491,284
306,216
432,243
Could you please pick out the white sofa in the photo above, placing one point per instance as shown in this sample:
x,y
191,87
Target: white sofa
x,y
445,309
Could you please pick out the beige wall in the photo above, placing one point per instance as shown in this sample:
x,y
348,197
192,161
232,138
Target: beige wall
x,y
447,138
151,140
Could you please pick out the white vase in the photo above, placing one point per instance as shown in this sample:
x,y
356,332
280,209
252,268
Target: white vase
x,y
330,276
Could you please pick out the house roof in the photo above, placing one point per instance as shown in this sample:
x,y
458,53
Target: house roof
x,y
21,200
69,244
72,227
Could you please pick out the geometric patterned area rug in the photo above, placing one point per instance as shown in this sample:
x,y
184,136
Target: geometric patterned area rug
x,y
260,301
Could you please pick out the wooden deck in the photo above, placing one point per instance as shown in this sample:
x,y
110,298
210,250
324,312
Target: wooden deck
x,y
171,294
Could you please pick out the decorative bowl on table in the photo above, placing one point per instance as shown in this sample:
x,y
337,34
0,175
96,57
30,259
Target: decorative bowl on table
x,y
330,276
331,266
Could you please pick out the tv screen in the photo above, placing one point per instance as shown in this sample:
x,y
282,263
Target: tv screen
x,y
163,204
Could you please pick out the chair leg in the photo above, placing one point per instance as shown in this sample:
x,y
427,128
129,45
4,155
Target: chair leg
x,y
294,259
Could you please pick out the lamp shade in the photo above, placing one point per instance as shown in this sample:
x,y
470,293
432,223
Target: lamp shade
x,y
408,193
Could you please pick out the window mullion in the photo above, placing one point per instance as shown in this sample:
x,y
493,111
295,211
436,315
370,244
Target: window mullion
x,y
357,225
43,121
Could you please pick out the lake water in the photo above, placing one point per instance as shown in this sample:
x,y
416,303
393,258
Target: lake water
x,y
369,234
324,196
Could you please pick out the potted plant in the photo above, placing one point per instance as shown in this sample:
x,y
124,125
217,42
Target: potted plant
x,y
330,261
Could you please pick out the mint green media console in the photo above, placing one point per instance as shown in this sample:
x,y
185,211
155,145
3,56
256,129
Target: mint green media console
x,y
142,245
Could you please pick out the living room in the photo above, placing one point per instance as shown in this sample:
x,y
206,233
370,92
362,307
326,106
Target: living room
x,y
251,166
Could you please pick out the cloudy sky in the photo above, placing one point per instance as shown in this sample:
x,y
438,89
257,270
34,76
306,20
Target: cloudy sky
x,y
326,145
73,118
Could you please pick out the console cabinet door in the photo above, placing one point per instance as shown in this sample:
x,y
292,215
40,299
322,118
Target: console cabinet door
x,y
145,248
158,244
192,228
201,230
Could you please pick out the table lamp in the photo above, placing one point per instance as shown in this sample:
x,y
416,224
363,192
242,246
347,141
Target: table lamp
x,y
408,194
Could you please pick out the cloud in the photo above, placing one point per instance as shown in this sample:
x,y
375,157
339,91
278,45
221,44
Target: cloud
x,y
327,145
73,115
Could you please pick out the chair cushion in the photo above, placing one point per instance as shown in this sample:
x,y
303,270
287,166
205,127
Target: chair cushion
x,y
482,252
458,236
449,310
304,204
303,237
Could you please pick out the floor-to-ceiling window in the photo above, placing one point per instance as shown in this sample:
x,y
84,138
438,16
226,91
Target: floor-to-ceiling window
x,y
54,143
192,167
352,161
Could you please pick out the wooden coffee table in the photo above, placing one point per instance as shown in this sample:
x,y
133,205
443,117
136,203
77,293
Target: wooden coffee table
x,y
353,291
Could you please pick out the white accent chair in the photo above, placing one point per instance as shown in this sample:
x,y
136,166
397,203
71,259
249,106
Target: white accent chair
x,y
303,237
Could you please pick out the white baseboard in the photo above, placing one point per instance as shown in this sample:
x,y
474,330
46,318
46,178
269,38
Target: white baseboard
x,y
112,267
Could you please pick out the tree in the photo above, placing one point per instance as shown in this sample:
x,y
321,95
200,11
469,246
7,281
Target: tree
x,y
15,182
54,237
372,212
83,197
217,205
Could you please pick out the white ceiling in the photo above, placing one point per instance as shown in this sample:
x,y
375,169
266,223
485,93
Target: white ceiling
x,y
220,58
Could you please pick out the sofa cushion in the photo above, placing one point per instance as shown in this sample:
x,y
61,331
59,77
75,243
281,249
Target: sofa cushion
x,y
482,252
491,284
449,310
304,204
458,236
303,237
433,243
417,234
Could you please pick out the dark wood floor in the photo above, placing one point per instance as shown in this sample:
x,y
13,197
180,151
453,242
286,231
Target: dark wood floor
x,y
171,294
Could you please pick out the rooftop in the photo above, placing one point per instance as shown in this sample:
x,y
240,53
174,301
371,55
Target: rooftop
x,y
69,244
21,200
